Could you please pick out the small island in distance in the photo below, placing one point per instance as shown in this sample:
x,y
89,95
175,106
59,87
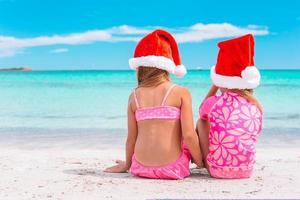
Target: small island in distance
x,y
16,69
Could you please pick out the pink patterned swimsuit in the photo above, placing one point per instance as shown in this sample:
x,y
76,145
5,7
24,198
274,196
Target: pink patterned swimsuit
x,y
235,124
176,170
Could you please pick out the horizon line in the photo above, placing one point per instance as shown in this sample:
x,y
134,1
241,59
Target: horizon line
x,y
120,69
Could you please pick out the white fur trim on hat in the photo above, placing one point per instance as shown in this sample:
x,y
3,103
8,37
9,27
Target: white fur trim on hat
x,y
159,62
250,79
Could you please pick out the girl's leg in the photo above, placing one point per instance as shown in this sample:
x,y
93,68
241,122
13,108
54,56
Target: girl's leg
x,y
203,131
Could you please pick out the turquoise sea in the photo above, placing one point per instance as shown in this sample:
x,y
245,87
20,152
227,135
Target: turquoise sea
x,y
80,103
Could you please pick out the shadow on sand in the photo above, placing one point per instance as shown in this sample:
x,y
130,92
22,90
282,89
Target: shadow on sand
x,y
195,173
96,172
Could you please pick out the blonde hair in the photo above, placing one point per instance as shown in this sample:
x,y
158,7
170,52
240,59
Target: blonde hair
x,y
151,76
248,94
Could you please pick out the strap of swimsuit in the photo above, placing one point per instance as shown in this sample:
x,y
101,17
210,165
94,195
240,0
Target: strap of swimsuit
x,y
167,94
135,99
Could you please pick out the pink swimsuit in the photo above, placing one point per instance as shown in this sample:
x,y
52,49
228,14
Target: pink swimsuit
x,y
176,170
235,124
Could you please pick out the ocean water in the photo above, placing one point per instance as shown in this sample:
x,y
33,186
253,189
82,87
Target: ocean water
x,y
76,103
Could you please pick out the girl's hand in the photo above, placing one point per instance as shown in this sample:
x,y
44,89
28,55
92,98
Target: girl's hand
x,y
121,167
199,165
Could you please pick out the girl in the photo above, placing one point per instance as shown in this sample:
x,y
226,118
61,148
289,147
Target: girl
x,y
160,116
230,123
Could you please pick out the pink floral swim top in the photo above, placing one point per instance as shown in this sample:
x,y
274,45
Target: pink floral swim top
x,y
235,124
158,112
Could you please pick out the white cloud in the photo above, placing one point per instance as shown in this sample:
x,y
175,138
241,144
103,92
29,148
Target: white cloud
x,y
128,30
200,32
60,50
71,39
7,52
9,45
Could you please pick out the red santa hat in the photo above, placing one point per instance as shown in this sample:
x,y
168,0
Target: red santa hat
x,y
235,65
158,49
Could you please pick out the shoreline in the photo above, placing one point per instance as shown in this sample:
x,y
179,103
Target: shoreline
x,y
96,138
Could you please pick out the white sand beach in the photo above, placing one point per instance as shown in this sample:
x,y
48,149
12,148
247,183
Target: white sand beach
x,y
76,173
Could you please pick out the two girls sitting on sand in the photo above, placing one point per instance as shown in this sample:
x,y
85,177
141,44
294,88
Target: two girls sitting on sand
x,y
161,137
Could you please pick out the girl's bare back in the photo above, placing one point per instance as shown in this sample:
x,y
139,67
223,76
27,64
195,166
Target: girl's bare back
x,y
159,140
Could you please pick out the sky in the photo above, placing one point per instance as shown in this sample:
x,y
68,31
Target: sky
x,y
102,34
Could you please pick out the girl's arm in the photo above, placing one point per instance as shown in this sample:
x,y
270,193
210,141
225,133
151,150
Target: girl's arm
x,y
130,143
190,137
212,91
132,134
